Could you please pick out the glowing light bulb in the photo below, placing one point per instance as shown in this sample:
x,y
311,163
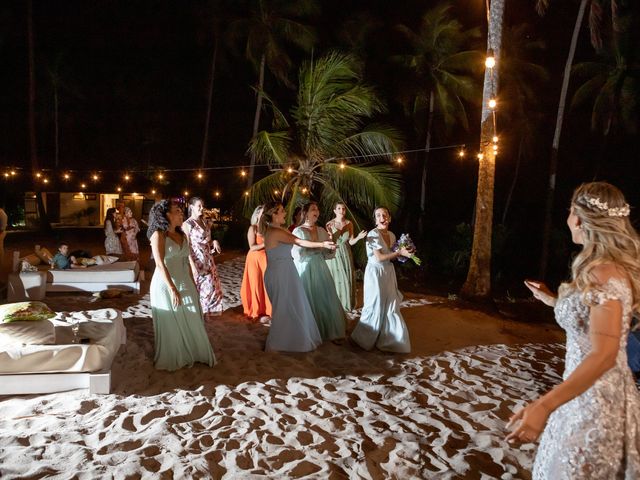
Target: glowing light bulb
x,y
94,177
127,178
490,62
83,186
6,174
480,156
304,190
342,166
66,176
399,160
153,191
13,173
492,103
461,153
217,193
290,170
118,189
160,176
186,193
246,194
276,192
495,139
200,175
243,173
38,174
45,180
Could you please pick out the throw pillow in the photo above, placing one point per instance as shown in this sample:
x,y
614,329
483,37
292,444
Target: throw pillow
x,y
31,259
87,262
105,259
27,333
25,311
44,255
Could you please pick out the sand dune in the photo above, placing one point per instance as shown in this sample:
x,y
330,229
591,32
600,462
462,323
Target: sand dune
x,y
338,412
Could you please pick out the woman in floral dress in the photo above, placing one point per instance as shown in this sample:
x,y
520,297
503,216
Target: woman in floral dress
x,y
198,230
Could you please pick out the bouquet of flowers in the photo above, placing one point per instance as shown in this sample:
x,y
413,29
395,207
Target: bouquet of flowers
x,y
405,242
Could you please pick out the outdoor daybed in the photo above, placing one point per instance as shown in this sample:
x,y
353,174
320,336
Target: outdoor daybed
x,y
34,285
40,356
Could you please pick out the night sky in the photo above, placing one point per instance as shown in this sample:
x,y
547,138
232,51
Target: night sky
x,y
133,79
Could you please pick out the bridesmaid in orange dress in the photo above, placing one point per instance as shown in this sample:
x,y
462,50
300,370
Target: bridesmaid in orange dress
x,y
255,301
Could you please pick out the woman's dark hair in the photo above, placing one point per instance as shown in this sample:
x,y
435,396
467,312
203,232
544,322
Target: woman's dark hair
x,y
192,202
267,216
380,207
158,220
294,216
305,210
110,215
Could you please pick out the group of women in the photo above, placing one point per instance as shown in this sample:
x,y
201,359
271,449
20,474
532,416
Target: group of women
x,y
589,424
121,230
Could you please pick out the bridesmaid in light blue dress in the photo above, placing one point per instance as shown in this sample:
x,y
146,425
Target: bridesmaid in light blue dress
x,y
316,277
293,327
180,336
381,324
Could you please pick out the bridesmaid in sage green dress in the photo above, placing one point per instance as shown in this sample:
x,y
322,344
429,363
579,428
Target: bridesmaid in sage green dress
x,y
341,266
178,324
316,278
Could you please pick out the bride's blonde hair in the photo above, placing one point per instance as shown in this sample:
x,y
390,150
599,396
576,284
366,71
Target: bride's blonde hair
x,y
607,234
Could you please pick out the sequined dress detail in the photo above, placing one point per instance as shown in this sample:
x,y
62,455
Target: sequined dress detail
x,y
595,435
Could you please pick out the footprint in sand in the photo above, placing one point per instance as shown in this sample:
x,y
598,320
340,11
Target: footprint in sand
x,y
153,415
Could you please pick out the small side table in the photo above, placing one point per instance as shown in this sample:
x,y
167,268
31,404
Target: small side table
x,y
27,286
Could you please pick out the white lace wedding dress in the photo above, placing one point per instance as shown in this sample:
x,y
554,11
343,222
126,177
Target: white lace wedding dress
x,y
595,435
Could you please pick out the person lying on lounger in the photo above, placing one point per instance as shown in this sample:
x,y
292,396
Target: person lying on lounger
x,y
62,260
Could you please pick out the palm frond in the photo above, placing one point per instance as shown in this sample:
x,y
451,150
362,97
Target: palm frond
x,y
263,190
364,187
271,148
374,141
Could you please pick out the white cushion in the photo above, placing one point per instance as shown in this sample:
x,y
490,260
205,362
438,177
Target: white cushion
x,y
114,272
41,332
105,259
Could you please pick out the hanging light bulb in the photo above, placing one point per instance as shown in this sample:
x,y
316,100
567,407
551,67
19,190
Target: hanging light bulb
x,y
13,173
160,176
118,189
83,186
493,103
399,160
243,173
200,176
153,191
461,153
38,175
276,192
342,166
45,180
6,174
66,176
217,193
94,177
186,193
127,177
480,156
289,170
246,194
495,139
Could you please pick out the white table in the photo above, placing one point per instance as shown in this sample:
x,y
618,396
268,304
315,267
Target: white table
x,y
27,286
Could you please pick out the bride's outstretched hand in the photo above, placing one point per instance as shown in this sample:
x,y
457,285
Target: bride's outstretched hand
x,y
329,245
533,418
541,292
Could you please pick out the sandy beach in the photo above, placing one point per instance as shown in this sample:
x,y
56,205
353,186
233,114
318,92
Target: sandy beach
x,y
337,412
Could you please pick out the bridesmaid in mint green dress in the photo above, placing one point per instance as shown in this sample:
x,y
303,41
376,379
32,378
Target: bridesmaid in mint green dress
x,y
316,278
341,266
180,336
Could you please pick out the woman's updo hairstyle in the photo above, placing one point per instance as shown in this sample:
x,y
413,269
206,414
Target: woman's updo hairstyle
x,y
266,219
305,210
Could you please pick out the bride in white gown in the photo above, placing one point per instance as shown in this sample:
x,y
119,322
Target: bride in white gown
x,y
591,419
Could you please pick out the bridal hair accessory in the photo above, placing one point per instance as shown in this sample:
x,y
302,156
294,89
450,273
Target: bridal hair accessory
x,y
612,212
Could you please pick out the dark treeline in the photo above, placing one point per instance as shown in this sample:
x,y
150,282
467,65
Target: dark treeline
x,y
130,82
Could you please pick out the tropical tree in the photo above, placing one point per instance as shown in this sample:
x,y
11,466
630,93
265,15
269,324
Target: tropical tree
x,y
478,282
442,76
45,225
520,80
268,28
319,148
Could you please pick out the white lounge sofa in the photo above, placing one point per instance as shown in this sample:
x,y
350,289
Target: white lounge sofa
x,y
59,364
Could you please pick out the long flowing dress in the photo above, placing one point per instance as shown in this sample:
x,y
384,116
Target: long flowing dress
x,y
318,285
595,435
341,268
255,301
293,328
131,234
207,279
381,323
180,336
112,243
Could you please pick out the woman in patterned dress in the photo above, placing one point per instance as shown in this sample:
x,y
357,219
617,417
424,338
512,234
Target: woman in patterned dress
x,y
112,243
341,266
591,420
198,230
131,229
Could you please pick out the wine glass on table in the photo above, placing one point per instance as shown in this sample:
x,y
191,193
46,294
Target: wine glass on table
x,y
75,328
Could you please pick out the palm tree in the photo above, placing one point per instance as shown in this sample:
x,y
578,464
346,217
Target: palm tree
x,y
442,75
520,80
45,225
611,83
270,25
308,151
478,282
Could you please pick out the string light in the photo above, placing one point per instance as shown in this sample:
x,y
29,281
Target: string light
x,y
490,61
480,156
153,191
118,189
399,160
186,193
127,177
243,173
160,176
495,139
38,175
461,153
290,170
6,174
199,175
83,186
217,193
304,190
13,173
246,194
45,180
66,176
342,166
492,103
94,177
276,192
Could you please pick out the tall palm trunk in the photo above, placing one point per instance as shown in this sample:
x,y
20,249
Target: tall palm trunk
x,y
478,283
553,164
512,188
256,118
207,124
56,126
427,149
33,151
